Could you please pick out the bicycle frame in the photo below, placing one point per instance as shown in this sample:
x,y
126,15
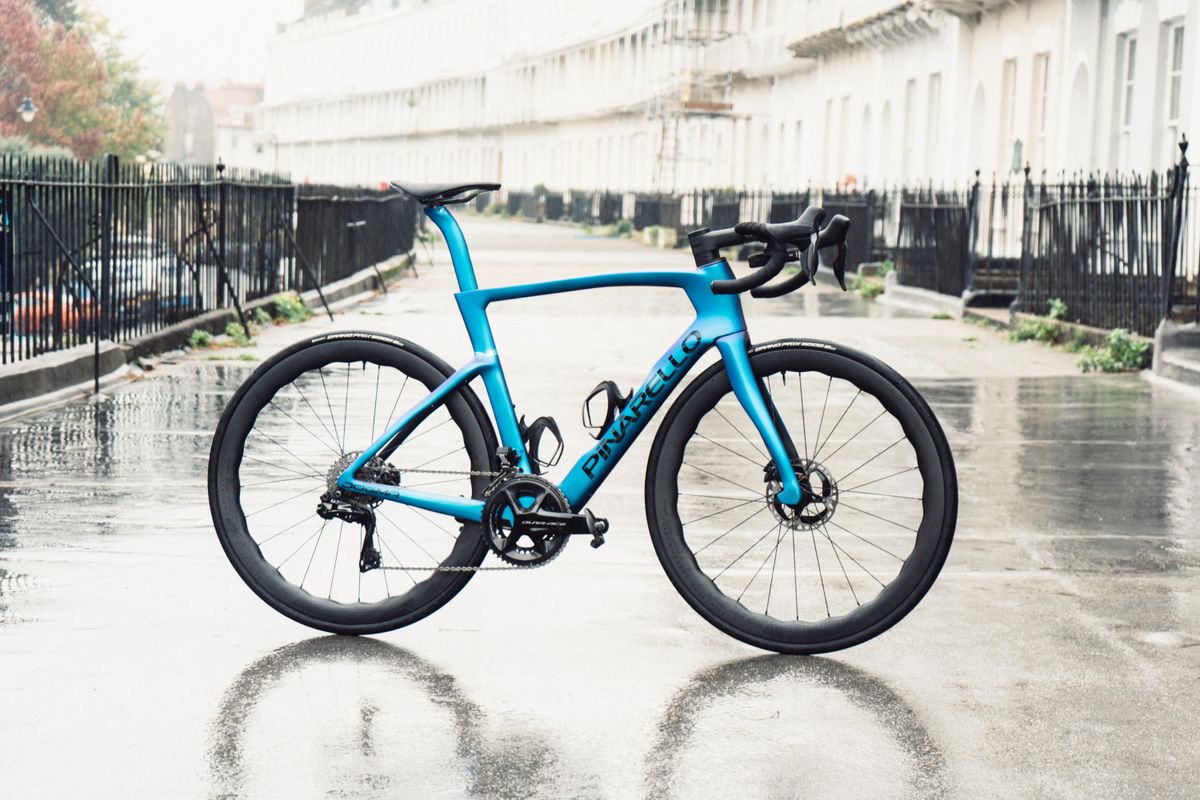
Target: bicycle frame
x,y
719,321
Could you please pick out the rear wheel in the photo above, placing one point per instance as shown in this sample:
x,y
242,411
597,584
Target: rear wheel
x,y
862,548
292,428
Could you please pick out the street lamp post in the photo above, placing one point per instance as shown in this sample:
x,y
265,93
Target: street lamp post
x,y
27,109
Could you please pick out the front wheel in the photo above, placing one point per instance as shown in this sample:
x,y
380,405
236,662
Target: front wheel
x,y
867,540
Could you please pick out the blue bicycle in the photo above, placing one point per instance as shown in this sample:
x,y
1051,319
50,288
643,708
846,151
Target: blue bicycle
x,y
800,495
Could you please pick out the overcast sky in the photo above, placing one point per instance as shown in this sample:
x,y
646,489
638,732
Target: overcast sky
x,y
199,40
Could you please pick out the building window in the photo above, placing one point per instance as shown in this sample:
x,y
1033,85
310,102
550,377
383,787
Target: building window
x,y
1040,102
907,167
1010,146
1125,93
1174,82
933,122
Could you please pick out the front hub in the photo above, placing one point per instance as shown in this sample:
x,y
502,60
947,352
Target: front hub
x,y
818,495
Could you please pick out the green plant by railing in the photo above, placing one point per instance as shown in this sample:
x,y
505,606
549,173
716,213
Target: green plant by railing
x,y
238,336
1046,330
290,308
866,287
1119,353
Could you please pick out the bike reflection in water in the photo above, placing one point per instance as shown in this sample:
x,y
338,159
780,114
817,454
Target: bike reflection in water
x,y
365,718
773,726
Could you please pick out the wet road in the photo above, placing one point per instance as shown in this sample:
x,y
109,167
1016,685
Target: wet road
x,y
1055,656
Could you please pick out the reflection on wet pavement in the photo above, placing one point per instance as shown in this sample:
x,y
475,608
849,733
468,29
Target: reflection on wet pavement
x,y
383,721
806,709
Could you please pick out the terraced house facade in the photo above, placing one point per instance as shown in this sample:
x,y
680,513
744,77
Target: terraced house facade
x,y
646,95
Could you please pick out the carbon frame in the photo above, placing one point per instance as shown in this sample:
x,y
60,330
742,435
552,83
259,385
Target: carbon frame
x,y
719,321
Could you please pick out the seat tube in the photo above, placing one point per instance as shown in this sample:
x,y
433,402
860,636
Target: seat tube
x,y
747,390
464,270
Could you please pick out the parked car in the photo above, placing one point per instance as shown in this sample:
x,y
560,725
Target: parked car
x,y
34,311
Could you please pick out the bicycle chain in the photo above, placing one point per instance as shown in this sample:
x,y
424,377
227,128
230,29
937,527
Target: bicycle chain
x,y
473,474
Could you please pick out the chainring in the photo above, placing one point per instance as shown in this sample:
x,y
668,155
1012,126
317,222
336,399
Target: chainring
x,y
510,503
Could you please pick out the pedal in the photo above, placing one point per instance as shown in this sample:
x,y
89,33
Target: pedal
x,y
614,402
532,434
598,527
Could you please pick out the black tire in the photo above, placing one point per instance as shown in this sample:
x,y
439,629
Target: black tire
x,y
273,439
906,508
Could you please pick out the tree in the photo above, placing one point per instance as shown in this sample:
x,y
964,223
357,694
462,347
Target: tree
x,y
64,12
91,97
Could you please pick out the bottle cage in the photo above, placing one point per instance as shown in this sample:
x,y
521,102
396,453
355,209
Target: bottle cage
x,y
615,404
532,435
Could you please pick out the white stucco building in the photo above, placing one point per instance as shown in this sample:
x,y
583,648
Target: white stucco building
x,y
654,95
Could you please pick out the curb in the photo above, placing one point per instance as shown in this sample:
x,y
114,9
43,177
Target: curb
x,y
65,375
916,299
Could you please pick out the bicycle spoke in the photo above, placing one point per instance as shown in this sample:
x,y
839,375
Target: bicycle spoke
x,y
842,566
285,500
715,475
399,563
722,511
304,428
773,550
803,416
280,466
730,449
833,430
281,480
795,576
868,541
431,521
329,405
314,535
438,458
852,558
346,406
852,438
876,516
716,496
395,404
872,458
820,574
375,402
316,416
726,533
271,439
880,494
774,562
740,557
738,431
821,424
293,526
404,533
320,535
876,480
337,548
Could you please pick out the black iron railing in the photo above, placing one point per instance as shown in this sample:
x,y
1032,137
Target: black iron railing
x,y
111,251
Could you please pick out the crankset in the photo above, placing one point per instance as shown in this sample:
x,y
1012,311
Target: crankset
x,y
527,521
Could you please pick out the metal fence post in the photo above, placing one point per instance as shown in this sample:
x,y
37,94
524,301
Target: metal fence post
x,y
103,303
972,233
1178,202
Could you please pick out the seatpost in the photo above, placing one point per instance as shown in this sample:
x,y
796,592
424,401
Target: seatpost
x,y
464,270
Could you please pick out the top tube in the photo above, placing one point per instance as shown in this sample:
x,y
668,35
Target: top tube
x,y
464,270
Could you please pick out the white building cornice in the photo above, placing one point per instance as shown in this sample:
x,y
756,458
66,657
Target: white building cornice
x,y
904,21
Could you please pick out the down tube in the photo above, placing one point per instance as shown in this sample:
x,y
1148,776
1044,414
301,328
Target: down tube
x,y
593,467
